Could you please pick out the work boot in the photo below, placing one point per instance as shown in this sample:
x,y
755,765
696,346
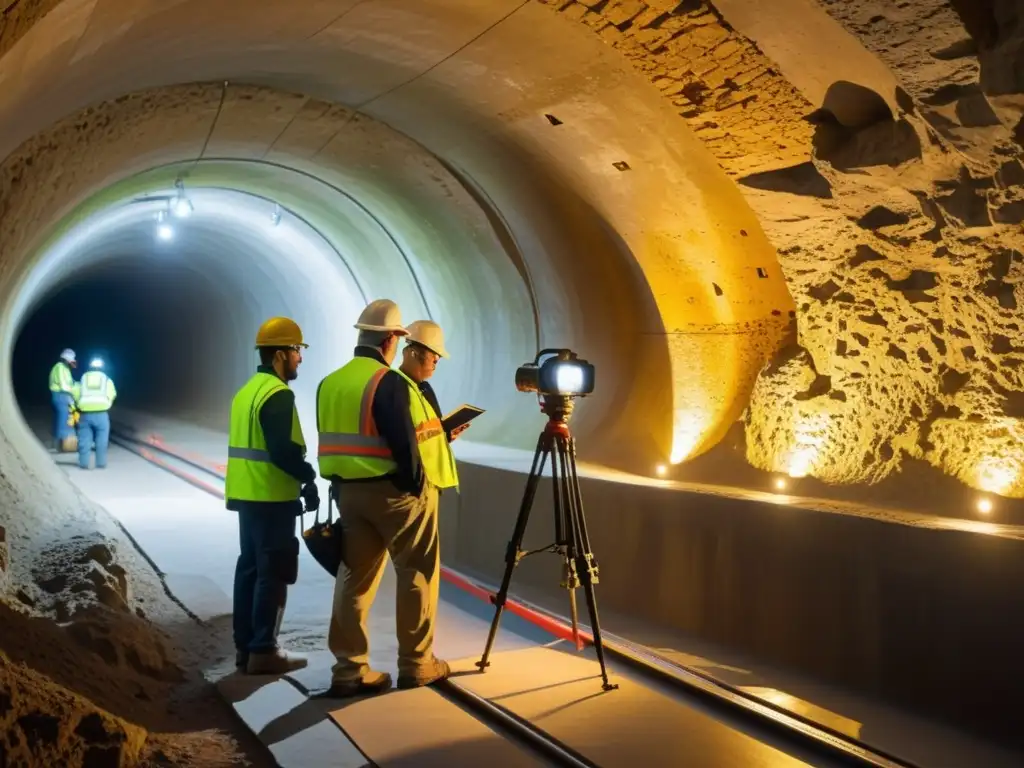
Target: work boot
x,y
372,683
274,663
241,660
432,672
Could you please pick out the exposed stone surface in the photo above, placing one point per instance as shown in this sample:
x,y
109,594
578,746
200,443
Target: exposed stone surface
x,y
899,234
749,116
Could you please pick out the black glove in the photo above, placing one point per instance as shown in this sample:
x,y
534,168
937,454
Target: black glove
x,y
311,496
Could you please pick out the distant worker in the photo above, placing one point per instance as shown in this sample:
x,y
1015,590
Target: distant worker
x,y
62,389
383,449
267,474
94,397
424,347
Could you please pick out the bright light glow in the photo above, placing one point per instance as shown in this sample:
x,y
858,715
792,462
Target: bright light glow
x,y
165,232
780,483
96,363
661,470
688,430
984,505
569,378
182,207
809,435
997,474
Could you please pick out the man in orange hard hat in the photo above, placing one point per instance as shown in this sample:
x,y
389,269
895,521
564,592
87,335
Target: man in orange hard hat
x,y
267,474
385,453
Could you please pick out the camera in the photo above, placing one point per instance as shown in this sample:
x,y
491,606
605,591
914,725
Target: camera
x,y
558,372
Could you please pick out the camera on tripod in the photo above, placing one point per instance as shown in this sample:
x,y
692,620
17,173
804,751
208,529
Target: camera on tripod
x,y
558,376
557,372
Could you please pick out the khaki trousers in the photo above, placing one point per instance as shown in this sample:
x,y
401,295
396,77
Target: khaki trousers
x,y
377,520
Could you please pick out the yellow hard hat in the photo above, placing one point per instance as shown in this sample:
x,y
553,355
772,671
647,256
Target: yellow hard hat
x,y
279,332
428,334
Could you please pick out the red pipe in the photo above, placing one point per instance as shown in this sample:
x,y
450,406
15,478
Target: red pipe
x,y
559,629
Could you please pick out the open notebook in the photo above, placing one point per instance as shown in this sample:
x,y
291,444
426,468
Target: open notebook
x,y
461,415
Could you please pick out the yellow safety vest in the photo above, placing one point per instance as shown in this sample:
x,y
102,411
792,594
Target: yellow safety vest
x,y
94,393
350,446
250,474
61,379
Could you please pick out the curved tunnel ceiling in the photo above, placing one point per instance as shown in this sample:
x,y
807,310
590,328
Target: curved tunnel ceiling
x,y
581,145
639,252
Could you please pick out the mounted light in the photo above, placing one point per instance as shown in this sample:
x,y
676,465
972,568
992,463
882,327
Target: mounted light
x,y
181,206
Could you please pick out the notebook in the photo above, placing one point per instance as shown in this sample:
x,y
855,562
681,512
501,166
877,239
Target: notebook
x,y
461,415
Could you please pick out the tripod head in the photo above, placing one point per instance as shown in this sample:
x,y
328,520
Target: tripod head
x,y
558,409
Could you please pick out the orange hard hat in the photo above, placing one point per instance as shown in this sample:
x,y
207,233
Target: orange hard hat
x,y
279,332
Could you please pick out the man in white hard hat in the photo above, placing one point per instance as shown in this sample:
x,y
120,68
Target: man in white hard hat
x,y
424,348
94,397
385,453
62,389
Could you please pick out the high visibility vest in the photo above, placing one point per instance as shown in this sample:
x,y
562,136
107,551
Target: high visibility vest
x,y
61,379
250,474
95,392
350,446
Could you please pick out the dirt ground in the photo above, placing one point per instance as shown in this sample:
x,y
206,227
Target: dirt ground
x,y
109,688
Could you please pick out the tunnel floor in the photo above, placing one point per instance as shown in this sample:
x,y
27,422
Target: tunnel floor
x,y
191,538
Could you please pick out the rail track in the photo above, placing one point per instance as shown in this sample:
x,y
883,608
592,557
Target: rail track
x,y
807,739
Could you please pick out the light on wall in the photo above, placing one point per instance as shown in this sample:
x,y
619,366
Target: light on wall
x,y
164,231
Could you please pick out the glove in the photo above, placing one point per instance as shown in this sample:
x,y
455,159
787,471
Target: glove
x,y
311,496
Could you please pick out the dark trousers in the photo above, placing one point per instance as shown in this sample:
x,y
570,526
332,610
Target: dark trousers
x,y
267,537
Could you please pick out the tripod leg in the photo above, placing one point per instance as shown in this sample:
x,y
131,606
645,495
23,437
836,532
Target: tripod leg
x,y
512,554
586,565
563,523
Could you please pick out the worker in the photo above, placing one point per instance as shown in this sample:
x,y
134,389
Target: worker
x,y
94,395
62,383
267,475
384,451
424,347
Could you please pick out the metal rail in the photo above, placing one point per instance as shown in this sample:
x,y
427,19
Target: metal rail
x,y
512,726
818,737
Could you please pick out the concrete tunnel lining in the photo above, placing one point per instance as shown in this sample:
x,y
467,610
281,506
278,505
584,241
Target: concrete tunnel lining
x,y
479,107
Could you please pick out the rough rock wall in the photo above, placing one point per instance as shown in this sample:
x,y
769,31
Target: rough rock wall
x,y
899,233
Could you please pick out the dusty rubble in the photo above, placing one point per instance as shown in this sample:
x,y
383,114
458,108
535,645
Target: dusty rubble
x,y
87,680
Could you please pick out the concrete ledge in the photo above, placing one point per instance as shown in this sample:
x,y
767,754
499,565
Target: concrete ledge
x,y
921,618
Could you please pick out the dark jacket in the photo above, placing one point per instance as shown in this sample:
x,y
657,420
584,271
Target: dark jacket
x,y
394,423
285,454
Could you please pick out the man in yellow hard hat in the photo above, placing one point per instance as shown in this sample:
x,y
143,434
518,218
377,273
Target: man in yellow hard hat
x,y
424,348
385,453
267,474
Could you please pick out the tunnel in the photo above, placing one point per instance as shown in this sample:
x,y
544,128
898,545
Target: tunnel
x,y
793,259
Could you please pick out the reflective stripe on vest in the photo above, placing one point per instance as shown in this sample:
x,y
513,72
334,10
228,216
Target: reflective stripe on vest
x,y
94,393
360,452
251,476
368,442
435,452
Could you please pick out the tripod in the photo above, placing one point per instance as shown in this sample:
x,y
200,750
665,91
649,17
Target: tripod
x,y
571,539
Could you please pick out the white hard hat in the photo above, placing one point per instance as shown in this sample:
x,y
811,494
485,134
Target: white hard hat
x,y
428,334
68,355
381,315
96,362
